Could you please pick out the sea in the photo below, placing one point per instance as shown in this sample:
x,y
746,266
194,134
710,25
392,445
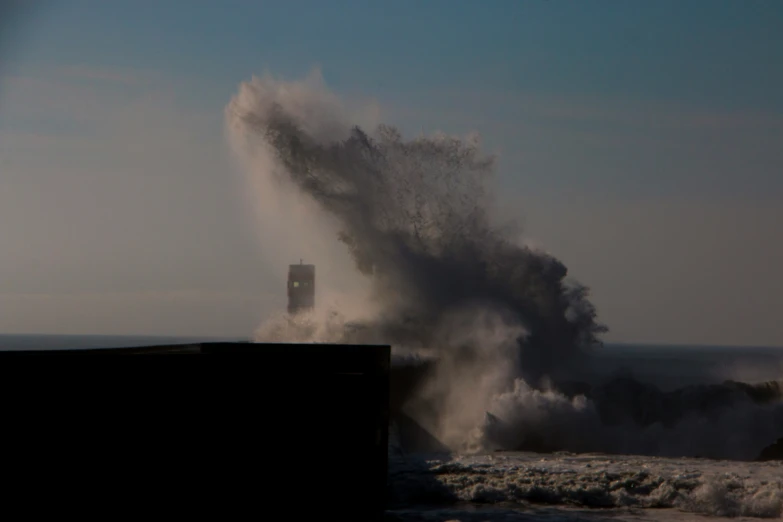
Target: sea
x,y
526,486
11,342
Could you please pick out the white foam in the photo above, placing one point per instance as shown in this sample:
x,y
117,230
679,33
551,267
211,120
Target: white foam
x,y
639,484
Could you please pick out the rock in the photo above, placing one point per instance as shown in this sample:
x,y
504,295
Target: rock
x,y
772,452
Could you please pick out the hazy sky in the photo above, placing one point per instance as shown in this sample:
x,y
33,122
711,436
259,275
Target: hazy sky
x,y
641,142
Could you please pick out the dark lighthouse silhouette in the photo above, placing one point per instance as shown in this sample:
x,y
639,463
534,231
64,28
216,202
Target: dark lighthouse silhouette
x,y
301,288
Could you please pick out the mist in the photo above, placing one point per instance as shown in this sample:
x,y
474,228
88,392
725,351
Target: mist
x,y
409,252
408,225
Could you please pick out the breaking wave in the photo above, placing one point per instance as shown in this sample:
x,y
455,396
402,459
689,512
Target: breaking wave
x,y
585,481
728,421
410,224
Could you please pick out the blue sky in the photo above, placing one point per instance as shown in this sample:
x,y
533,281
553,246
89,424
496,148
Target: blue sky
x,y
638,141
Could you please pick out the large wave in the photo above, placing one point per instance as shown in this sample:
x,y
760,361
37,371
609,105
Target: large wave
x,y
433,272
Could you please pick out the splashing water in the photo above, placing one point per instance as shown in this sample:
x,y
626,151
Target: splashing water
x,y
407,225
415,216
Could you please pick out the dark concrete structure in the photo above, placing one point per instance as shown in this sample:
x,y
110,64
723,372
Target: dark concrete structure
x,y
301,288
285,431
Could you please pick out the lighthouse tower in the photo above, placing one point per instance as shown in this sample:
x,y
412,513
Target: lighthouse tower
x,y
301,288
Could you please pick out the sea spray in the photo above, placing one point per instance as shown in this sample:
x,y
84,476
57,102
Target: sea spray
x,y
406,226
415,217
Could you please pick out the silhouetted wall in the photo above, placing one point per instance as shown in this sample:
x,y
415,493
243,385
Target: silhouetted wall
x,y
286,430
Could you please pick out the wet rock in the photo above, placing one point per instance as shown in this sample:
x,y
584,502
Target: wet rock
x,y
772,452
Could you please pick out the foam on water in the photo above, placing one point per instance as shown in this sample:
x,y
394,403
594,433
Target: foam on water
x,y
505,485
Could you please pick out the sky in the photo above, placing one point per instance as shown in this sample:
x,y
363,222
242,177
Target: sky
x,y
639,142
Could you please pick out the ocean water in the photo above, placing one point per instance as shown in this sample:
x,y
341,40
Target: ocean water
x,y
519,486
79,342
506,486
529,486
674,366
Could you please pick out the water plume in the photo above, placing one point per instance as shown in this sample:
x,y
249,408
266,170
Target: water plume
x,y
415,217
408,222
